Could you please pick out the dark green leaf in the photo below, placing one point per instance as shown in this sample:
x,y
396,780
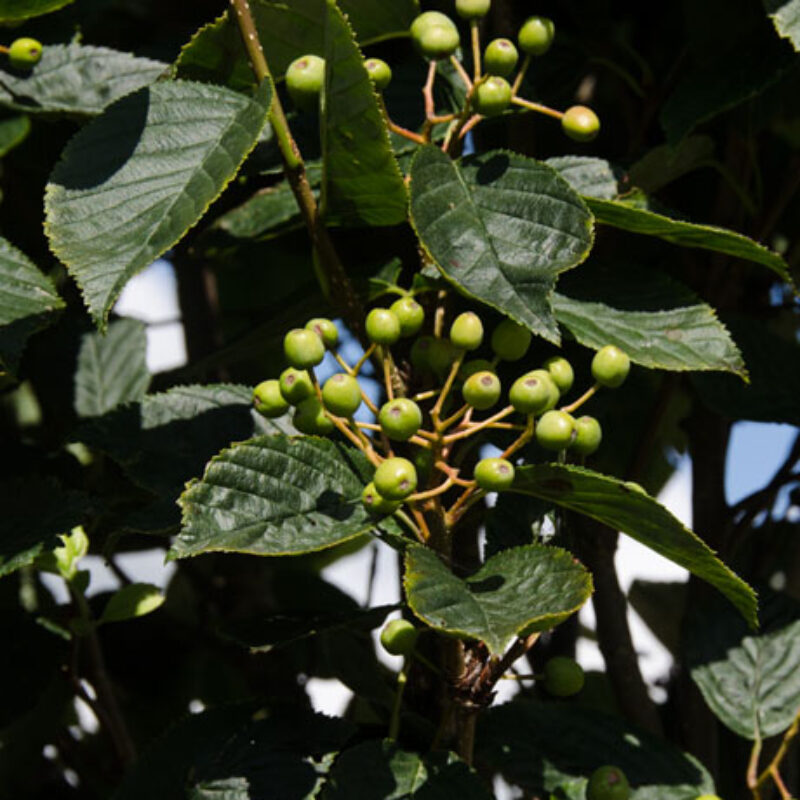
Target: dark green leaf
x,y
785,16
373,770
12,10
132,182
76,79
361,181
276,495
500,227
13,131
112,369
751,682
541,746
626,507
521,590
514,521
591,177
28,302
664,164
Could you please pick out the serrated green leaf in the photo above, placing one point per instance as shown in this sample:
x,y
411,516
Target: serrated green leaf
x,y
275,495
376,769
500,227
679,339
626,507
76,79
13,131
112,368
28,302
664,164
287,31
540,746
590,177
785,15
12,10
751,682
131,183
132,601
361,181
520,590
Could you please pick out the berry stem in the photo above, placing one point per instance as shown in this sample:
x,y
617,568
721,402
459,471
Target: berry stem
x,y
430,107
399,129
423,525
474,428
3,49
772,769
541,109
448,385
521,74
452,473
453,418
344,365
440,489
581,400
401,515
424,395
364,358
475,34
526,436
386,360
402,679
462,73
468,497
469,125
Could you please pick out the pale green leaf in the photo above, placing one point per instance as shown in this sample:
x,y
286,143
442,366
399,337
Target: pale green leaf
x,y
785,15
13,131
13,10
501,228
131,183
76,79
112,368
517,591
625,506
132,601
591,177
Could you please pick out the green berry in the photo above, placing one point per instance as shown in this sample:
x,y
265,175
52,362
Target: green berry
x,y
494,474
295,385
472,9
555,395
466,332
310,418
481,390
380,73
500,57
610,366
510,341
268,400
341,395
400,419
325,329
396,478
536,35
554,430
421,354
608,783
399,637
561,372
426,20
304,79
24,53
492,97
580,123
410,313
303,348
438,41
441,356
375,503
469,368
383,326
563,677
532,393
588,435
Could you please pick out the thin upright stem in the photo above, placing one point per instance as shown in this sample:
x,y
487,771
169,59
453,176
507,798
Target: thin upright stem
x,y
475,35
581,400
462,73
448,385
478,426
402,680
521,74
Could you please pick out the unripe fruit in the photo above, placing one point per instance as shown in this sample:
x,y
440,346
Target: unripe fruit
x,y
500,57
410,313
580,123
588,435
492,97
295,385
395,478
555,395
481,390
554,430
610,366
494,474
399,637
466,332
536,36
427,20
325,329
380,73
469,368
510,341
24,53
438,41
441,356
382,326
304,79
268,400
561,372
341,395
563,677
310,418
375,503
303,348
532,393
400,419
608,783
472,9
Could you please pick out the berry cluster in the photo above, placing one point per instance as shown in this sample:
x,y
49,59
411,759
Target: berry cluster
x,y
24,53
427,428
490,89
